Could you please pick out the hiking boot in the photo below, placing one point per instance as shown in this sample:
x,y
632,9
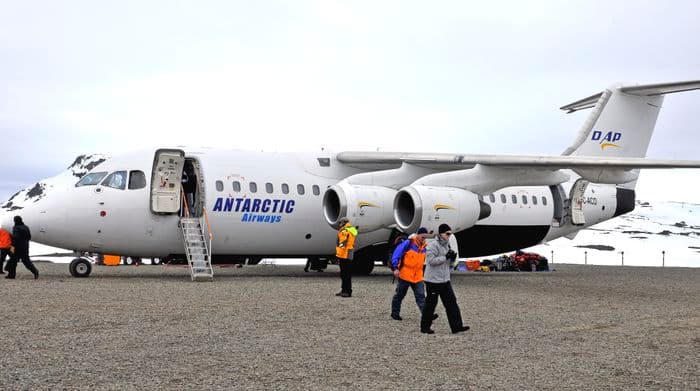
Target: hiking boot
x,y
435,316
396,317
344,294
427,331
339,294
459,330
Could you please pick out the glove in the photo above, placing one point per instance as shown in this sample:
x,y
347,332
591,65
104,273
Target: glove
x,y
451,256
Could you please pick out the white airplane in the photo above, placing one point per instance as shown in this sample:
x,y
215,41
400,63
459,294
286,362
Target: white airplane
x,y
238,204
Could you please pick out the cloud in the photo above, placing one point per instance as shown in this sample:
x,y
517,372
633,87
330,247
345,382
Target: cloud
x,y
82,77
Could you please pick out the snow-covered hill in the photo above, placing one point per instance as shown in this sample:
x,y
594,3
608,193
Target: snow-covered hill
x,y
75,171
662,232
653,227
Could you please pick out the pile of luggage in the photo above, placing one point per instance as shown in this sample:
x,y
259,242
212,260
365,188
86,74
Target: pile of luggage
x,y
518,261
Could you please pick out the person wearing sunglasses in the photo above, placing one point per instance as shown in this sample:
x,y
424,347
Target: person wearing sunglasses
x,y
438,261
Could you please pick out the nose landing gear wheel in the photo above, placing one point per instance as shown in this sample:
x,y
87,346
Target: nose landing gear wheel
x,y
80,268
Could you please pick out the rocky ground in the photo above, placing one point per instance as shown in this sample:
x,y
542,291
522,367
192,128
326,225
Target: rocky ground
x,y
276,327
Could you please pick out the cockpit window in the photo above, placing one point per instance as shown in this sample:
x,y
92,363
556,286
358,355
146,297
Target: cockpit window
x,y
91,179
137,180
116,180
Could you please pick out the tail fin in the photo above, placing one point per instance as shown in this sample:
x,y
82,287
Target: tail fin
x,y
622,120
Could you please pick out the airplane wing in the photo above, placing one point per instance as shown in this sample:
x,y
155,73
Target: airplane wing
x,y
459,161
490,172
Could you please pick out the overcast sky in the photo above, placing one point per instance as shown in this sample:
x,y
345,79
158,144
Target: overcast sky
x,y
473,77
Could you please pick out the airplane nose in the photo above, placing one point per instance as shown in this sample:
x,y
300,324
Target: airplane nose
x,y
45,218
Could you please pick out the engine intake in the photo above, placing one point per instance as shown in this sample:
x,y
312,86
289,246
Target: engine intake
x,y
429,206
368,207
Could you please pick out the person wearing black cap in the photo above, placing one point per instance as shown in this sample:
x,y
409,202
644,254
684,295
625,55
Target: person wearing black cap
x,y
438,261
20,241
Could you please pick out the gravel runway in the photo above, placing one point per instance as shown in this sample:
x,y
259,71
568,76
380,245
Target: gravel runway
x,y
276,327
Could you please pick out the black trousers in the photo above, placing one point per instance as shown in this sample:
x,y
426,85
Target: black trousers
x,y
20,256
449,301
345,275
4,253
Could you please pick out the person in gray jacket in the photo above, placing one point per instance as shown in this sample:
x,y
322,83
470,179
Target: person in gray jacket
x,y
438,261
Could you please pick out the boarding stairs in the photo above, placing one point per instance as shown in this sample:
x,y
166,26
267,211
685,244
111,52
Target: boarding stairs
x,y
197,246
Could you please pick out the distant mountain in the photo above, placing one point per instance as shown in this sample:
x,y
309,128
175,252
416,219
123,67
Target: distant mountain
x,y
73,173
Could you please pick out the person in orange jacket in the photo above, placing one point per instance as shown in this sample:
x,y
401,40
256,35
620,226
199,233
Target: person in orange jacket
x,y
407,263
5,245
344,252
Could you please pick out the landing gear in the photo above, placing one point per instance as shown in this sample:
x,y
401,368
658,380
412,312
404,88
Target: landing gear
x,y
80,268
131,260
363,261
362,266
316,263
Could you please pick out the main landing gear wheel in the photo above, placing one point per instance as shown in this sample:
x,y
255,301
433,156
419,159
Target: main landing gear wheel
x,y
80,268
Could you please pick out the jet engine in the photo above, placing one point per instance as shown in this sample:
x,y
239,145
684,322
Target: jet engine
x,y
368,207
429,206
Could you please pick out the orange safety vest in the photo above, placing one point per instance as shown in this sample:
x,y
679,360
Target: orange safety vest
x,y
5,239
412,265
346,241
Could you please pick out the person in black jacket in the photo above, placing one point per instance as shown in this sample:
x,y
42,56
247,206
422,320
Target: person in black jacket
x,y
20,241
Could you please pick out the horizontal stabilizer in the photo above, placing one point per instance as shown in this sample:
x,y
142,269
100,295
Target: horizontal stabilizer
x,y
641,90
661,88
585,103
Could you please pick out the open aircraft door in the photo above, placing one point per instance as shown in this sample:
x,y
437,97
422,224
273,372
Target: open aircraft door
x,y
577,201
166,181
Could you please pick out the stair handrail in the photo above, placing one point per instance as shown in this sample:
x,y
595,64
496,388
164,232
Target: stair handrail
x,y
184,199
211,236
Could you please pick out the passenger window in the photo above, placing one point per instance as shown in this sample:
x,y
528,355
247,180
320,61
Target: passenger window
x,y
268,188
91,179
525,199
116,180
544,200
534,200
285,188
492,198
253,187
236,186
300,189
219,186
514,199
503,198
316,190
137,180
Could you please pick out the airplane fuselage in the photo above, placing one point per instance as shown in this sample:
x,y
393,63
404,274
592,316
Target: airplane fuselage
x,y
270,205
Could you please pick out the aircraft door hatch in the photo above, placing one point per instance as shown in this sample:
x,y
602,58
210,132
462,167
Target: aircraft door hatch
x,y
578,191
165,181
560,205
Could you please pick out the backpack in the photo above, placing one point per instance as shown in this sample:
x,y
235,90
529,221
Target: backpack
x,y
399,242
